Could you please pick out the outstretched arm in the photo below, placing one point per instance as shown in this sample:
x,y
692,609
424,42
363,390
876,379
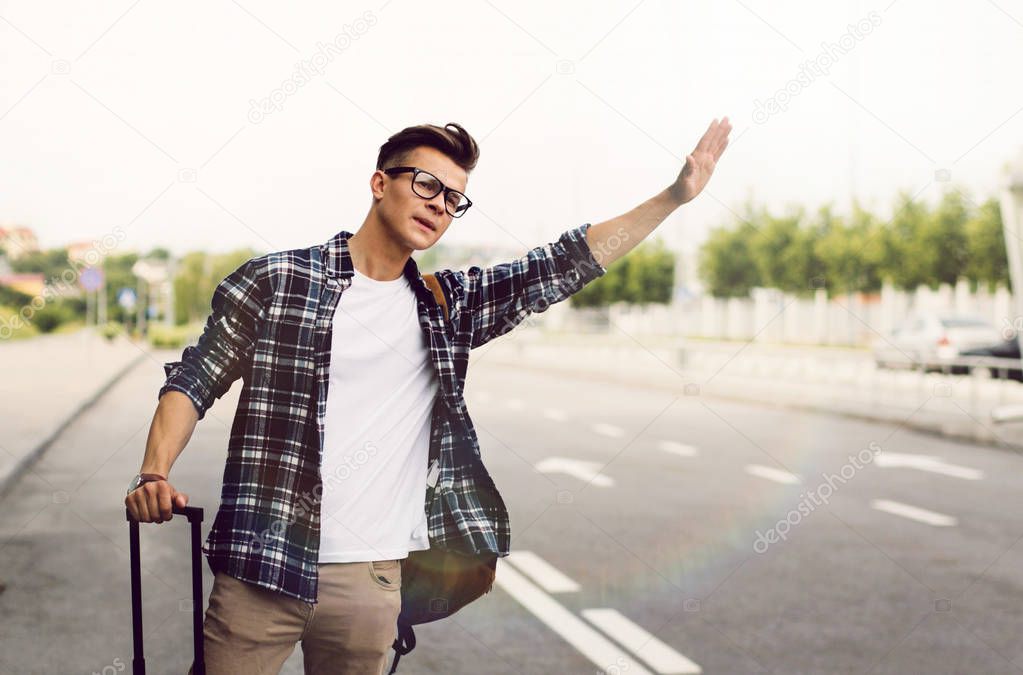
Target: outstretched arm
x,y
612,239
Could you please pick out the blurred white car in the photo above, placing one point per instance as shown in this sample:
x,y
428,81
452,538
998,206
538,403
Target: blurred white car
x,y
927,339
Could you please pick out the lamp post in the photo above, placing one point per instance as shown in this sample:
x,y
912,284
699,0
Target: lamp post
x,y
151,273
1011,203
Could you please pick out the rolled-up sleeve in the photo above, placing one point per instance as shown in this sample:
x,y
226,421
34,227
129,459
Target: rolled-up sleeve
x,y
502,296
207,370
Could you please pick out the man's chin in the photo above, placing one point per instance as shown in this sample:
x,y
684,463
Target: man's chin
x,y
423,238
419,240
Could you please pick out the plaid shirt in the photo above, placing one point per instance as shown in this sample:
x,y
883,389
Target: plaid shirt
x,y
271,325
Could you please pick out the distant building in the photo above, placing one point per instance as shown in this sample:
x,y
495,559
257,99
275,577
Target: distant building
x,y
76,251
30,283
17,241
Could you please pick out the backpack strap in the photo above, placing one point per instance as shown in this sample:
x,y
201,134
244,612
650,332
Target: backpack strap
x,y
438,293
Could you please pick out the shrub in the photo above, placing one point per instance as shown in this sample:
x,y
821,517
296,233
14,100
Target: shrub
x,y
111,329
51,316
173,337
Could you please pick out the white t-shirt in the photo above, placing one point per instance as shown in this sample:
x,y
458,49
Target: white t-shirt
x,y
377,425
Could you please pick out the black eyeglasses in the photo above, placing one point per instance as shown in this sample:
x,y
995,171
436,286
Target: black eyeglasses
x,y
428,186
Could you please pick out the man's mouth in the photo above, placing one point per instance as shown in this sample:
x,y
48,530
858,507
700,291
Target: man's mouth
x,y
424,223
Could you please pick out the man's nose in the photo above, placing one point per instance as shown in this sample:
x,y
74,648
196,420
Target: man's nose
x,y
437,203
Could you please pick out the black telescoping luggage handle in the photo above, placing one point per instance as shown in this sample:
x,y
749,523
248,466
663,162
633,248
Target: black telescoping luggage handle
x,y
138,663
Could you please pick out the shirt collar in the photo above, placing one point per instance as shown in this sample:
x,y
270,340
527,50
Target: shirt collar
x,y
338,263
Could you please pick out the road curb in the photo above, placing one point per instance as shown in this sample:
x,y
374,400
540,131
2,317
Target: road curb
x,y
11,477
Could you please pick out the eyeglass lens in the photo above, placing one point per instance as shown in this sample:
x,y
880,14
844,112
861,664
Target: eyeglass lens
x,y
427,186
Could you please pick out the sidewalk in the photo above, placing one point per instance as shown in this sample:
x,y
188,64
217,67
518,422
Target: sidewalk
x,y
47,382
828,380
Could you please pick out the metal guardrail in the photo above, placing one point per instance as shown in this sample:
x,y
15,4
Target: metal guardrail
x,y
982,384
995,364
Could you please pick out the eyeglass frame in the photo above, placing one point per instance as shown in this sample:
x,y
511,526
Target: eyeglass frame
x,y
445,189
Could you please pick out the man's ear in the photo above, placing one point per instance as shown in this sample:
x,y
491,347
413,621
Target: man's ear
x,y
376,184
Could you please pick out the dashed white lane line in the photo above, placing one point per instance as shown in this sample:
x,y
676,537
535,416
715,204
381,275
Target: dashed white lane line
x,y
555,414
656,654
578,468
608,430
590,643
676,448
542,573
1011,412
913,513
926,463
770,473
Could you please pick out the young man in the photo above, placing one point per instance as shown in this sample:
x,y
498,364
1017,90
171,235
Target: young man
x,y
324,496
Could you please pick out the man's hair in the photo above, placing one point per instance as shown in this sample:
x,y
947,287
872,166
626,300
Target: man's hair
x,y
451,139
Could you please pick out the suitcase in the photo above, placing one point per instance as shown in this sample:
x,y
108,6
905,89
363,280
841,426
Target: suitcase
x,y
138,663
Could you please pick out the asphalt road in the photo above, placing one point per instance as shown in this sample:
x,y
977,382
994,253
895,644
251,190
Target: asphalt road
x,y
652,532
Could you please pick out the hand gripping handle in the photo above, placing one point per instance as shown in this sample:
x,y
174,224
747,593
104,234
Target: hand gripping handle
x,y
195,516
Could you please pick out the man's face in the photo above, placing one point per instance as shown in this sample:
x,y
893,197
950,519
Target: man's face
x,y
400,208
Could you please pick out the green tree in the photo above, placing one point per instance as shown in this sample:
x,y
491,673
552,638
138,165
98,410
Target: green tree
x,y
651,276
726,264
849,251
599,292
904,260
196,278
918,245
986,259
118,274
189,280
51,263
784,251
646,274
943,240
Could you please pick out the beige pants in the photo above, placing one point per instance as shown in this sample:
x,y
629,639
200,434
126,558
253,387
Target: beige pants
x,y
252,630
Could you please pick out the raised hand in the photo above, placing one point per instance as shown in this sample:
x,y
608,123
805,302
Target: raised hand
x,y
701,161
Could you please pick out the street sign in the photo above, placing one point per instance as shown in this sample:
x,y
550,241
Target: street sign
x,y
126,298
151,271
91,278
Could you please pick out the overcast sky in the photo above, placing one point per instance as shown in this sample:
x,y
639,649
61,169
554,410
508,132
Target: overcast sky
x,y
152,116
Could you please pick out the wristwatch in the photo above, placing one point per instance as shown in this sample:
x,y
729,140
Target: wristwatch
x,y
143,478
